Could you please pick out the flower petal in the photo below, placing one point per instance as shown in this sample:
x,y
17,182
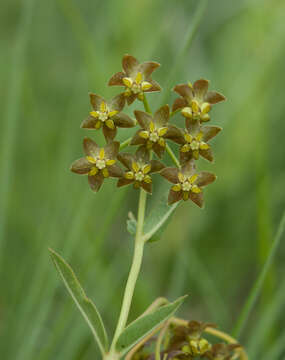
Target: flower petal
x,y
117,103
156,166
185,157
126,159
209,132
207,154
143,118
123,120
130,64
142,154
184,90
179,103
109,133
192,126
174,134
155,86
117,79
95,181
214,97
81,166
115,171
174,196
123,182
147,187
205,178
89,123
159,150
161,116
197,198
171,174
90,147
137,139
188,169
96,101
200,88
148,67
112,150
131,98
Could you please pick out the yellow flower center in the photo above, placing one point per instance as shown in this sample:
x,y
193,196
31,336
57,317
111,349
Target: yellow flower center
x,y
139,173
136,85
100,164
104,115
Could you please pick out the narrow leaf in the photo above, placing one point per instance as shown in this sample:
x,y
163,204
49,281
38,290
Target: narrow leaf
x,y
144,325
84,304
132,226
157,220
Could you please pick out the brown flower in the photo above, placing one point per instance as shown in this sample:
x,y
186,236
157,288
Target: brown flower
x,y
189,340
187,183
136,78
99,163
155,130
139,168
196,139
196,100
107,114
221,351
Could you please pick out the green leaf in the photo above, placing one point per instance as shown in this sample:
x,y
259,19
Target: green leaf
x,y
84,304
157,220
144,325
132,226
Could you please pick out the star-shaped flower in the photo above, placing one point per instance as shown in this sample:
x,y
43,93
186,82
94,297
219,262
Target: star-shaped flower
x,y
139,168
196,100
155,130
136,78
187,182
107,114
99,163
196,140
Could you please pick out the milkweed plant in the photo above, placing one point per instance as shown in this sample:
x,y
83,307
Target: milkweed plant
x,y
157,334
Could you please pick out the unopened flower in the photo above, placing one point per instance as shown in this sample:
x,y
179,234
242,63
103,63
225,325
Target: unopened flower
x,y
155,130
107,114
196,101
196,140
189,339
139,168
136,78
187,182
222,351
99,163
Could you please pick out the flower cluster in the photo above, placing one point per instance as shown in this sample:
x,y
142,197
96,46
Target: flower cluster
x,y
194,104
188,342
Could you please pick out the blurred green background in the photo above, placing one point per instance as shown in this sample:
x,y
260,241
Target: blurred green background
x,y
53,53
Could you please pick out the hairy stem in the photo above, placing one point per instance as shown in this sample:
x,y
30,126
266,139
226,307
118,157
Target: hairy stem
x,y
135,269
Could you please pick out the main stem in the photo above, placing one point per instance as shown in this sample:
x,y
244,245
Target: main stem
x,y
135,269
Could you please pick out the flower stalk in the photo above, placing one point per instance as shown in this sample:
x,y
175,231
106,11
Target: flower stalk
x,y
135,269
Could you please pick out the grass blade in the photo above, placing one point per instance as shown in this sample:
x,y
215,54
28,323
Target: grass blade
x,y
255,292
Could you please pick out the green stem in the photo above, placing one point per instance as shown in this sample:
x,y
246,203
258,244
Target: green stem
x,y
255,292
134,272
146,105
172,156
125,143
